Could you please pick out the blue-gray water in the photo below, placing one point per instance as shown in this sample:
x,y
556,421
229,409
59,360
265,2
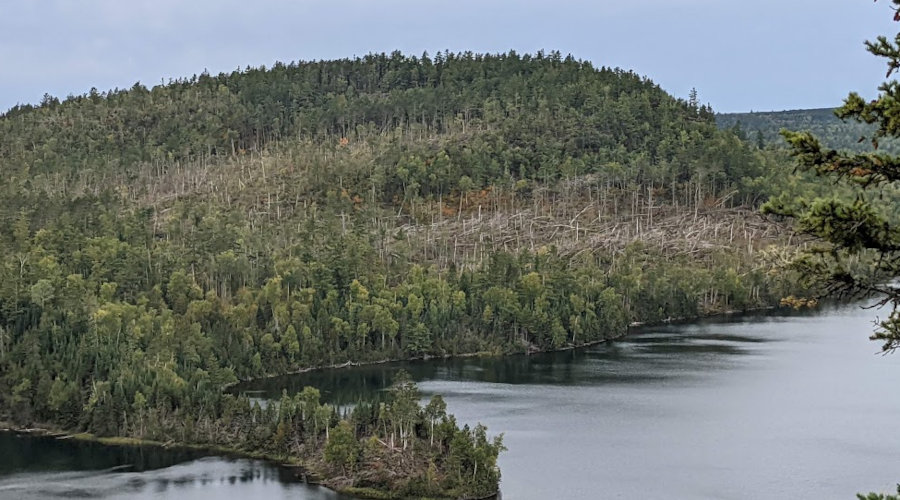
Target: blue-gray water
x,y
34,467
798,406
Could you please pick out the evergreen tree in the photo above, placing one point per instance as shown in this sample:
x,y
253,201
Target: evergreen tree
x,y
342,448
857,228
859,234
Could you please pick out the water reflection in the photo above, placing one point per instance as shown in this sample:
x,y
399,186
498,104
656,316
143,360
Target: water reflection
x,y
737,408
37,467
41,453
648,355
765,406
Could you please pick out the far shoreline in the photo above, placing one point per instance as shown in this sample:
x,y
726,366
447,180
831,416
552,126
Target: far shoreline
x,y
631,329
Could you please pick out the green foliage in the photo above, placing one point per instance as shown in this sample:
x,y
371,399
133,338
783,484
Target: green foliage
x,y
880,496
160,244
858,250
764,128
342,448
489,111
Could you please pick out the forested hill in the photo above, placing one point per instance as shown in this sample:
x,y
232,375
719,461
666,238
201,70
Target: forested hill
x,y
553,117
159,244
831,130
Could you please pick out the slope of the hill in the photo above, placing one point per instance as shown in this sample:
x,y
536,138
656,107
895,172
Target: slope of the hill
x,y
159,244
764,128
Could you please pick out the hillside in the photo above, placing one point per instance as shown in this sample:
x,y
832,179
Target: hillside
x,y
831,130
160,244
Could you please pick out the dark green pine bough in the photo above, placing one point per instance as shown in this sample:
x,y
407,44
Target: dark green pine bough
x,y
859,230
158,245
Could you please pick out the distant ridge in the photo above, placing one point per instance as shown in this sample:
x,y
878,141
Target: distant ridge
x,y
832,131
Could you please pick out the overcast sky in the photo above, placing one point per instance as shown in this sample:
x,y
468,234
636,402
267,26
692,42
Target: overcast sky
x,y
740,55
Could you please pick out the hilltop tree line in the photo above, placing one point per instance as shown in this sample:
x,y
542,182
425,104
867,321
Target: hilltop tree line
x,y
443,124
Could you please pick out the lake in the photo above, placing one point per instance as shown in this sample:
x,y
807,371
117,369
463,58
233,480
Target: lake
x,y
37,467
757,406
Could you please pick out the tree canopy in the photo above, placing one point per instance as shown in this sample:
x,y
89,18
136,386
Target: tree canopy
x,y
160,244
857,226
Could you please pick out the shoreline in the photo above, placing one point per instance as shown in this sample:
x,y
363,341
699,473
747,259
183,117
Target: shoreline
x,y
50,431
300,470
629,329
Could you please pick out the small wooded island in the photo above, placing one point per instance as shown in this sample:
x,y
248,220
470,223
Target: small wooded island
x,y
393,449
162,244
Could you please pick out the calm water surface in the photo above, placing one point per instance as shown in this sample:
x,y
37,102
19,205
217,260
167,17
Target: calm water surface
x,y
799,406
45,468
